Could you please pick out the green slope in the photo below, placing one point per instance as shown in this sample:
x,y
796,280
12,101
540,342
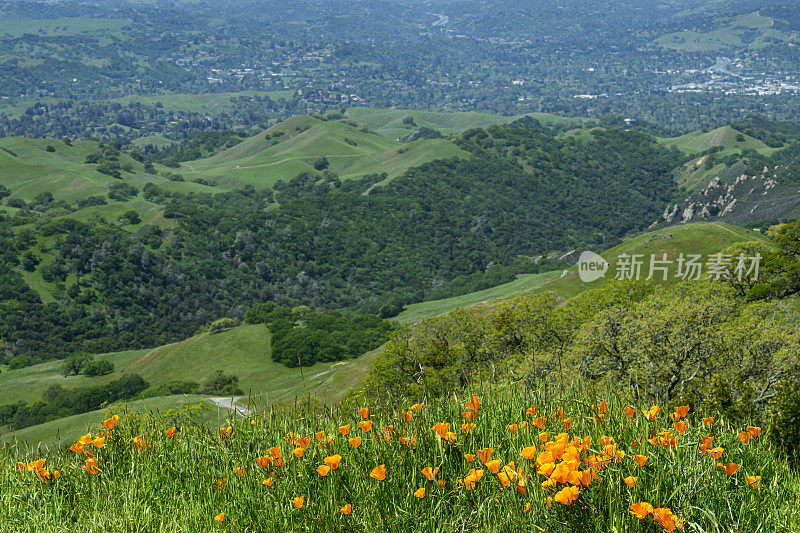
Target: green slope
x,y
725,137
389,122
751,31
65,431
243,351
27,169
293,146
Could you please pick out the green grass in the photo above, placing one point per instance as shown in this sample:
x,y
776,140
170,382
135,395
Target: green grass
x,y
523,284
725,136
212,103
35,170
14,26
173,484
260,162
728,35
389,122
64,431
703,238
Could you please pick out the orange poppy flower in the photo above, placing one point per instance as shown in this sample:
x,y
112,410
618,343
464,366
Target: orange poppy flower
x,y
323,470
528,452
139,442
539,422
275,452
708,421
170,432
225,432
754,431
494,466
441,483
744,437
303,442
417,407
263,462
298,501
344,430
730,468
364,412
469,457
753,481
267,482
630,481
485,454
602,407
366,425
543,437
474,404
682,411
220,517
533,410
77,448
298,452
513,428
567,424
111,423
333,461
567,495
420,492
91,466
641,460
220,483
641,510
319,435
652,413
630,411
379,473
467,428
355,442
347,509
681,427
716,453
429,472
407,415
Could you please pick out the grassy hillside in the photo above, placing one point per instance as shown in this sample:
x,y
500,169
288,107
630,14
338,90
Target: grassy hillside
x,y
27,168
65,431
293,146
751,30
725,136
243,351
389,122
523,284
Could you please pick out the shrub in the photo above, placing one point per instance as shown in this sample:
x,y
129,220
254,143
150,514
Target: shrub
x,y
785,419
223,324
98,368
223,384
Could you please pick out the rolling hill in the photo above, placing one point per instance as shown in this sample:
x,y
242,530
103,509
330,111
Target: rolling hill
x,y
295,145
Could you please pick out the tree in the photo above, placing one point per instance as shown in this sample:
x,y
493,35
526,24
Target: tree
x,y
75,363
98,368
130,217
221,383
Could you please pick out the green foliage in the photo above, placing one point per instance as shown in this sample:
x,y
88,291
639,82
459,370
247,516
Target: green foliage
x,y
223,324
101,367
122,191
74,364
222,384
785,419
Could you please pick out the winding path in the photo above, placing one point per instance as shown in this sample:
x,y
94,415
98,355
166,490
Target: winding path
x,y
229,402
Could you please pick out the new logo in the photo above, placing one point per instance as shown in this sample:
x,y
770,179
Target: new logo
x,y
591,266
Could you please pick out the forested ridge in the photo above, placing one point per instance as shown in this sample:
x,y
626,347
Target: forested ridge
x,y
442,228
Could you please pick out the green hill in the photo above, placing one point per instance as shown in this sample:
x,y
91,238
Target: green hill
x,y
389,122
295,145
725,137
703,238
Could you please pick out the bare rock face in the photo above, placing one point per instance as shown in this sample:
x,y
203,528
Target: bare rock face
x,y
728,208
669,216
704,213
688,213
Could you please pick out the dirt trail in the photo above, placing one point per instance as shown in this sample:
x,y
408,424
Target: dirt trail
x,y
229,402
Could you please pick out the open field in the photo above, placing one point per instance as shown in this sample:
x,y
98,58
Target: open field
x,y
293,146
389,122
725,136
731,32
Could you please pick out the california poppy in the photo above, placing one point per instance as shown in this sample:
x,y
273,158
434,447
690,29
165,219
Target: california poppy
x,y
91,466
111,423
420,492
567,423
355,442
220,517
379,473
708,421
319,435
630,411
323,470
347,509
333,461
682,411
225,432
267,482
170,432
474,404
567,495
630,481
641,510
364,412
485,454
652,413
641,460
344,430
469,457
239,470
533,410
753,481
527,508
539,422
494,466
263,462
716,453
681,427
298,452
298,501
754,431
366,425
730,468
417,407
429,472
528,452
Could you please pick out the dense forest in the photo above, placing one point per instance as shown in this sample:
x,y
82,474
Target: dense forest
x,y
441,229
